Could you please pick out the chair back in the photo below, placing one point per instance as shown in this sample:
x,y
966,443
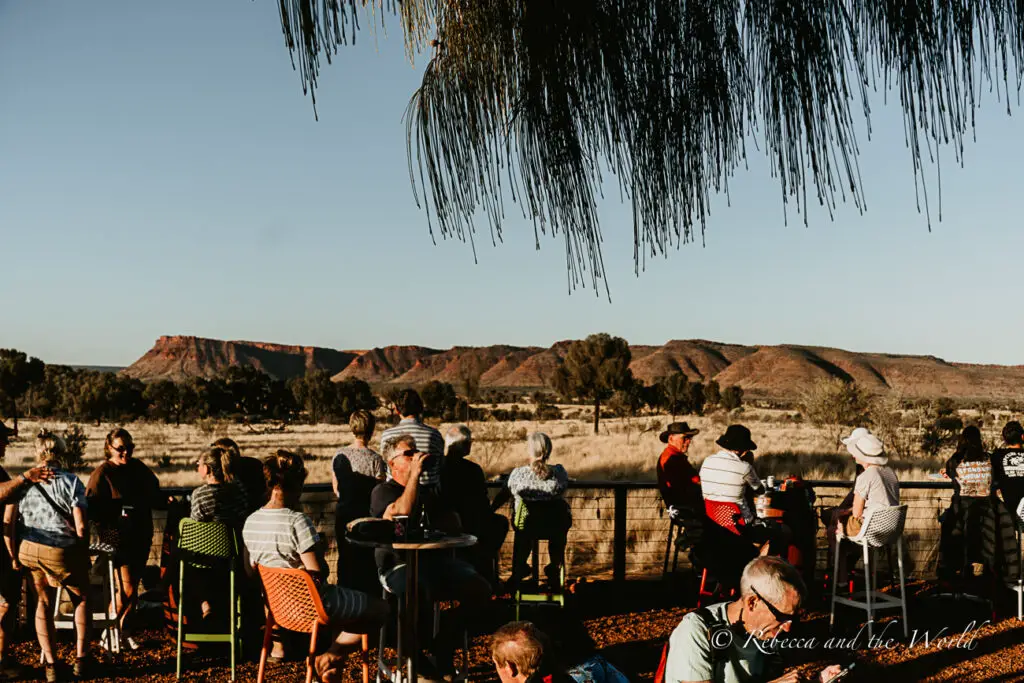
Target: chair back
x,y
726,515
292,598
204,542
883,525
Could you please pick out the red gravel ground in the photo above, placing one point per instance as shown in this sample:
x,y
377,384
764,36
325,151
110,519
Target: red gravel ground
x,y
630,625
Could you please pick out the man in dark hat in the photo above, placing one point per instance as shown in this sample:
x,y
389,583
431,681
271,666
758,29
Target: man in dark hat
x,y
678,481
725,475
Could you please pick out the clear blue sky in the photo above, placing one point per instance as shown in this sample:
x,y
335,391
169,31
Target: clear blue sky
x,y
161,173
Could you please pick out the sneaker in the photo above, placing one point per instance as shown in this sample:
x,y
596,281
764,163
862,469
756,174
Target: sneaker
x,y
132,645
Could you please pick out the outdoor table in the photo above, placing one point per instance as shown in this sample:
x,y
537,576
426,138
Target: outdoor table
x,y
411,549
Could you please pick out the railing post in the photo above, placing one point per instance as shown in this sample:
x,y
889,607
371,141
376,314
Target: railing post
x,y
619,543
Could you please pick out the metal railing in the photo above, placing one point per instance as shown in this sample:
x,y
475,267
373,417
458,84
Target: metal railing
x,y
620,527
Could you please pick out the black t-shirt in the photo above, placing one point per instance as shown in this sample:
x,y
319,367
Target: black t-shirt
x,y
1008,475
464,489
385,494
249,471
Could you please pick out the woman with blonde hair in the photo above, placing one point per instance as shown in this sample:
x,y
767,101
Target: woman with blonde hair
x,y
54,547
220,498
540,510
122,494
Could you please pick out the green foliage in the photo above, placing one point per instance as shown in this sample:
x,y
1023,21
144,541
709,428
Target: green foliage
x,y
835,404
326,401
75,439
941,433
543,409
675,392
712,394
594,369
18,373
439,400
732,398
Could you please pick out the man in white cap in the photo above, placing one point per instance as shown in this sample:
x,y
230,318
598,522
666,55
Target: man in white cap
x,y
876,486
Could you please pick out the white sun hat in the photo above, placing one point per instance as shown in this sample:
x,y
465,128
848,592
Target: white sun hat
x,y
866,447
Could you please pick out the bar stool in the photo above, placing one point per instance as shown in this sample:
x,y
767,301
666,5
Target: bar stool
x,y
539,597
109,581
883,526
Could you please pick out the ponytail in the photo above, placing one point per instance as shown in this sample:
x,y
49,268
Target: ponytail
x,y
538,445
229,457
284,470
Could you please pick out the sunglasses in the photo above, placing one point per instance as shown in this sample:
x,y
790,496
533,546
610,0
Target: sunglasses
x,y
776,612
406,453
127,450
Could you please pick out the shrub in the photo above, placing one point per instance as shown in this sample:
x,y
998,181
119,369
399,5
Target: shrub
x,y
75,439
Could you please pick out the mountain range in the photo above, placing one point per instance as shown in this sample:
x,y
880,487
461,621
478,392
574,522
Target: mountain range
x,y
779,372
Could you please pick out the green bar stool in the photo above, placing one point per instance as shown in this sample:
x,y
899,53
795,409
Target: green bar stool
x,y
544,597
208,545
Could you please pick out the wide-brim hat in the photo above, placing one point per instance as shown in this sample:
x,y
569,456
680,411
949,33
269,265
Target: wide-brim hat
x,y
736,438
678,428
866,447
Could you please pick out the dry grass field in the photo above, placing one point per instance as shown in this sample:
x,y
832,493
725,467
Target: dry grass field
x,y
626,448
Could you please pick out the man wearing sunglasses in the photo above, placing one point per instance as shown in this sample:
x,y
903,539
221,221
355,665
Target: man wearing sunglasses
x,y
441,577
731,642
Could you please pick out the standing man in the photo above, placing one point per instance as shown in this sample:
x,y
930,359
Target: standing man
x,y
1008,470
409,407
678,481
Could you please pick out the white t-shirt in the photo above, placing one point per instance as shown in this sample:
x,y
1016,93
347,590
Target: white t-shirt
x,y
690,656
878,486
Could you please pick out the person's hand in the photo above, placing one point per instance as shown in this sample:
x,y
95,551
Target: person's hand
x,y
791,677
15,565
416,466
38,474
830,672
945,475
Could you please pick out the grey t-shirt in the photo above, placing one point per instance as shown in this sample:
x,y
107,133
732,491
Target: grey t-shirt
x,y
878,486
278,537
690,656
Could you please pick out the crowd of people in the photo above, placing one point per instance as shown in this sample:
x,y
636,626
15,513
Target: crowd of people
x,y
50,518
759,561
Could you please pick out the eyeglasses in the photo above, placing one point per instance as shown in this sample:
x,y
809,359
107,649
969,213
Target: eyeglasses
x,y
779,615
406,453
125,449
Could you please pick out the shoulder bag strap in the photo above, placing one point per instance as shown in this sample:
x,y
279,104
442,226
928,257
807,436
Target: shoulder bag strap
x,y
68,517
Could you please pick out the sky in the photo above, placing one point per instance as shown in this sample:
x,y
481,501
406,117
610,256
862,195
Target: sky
x,y
161,172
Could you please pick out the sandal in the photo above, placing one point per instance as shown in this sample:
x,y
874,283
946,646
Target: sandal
x,y
82,666
51,672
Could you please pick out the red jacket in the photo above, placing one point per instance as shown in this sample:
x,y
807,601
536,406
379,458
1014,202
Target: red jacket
x,y
678,481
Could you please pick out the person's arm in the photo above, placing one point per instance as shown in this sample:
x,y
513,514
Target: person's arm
x,y
311,562
10,534
10,489
80,523
247,562
405,503
858,505
334,482
751,479
79,510
561,480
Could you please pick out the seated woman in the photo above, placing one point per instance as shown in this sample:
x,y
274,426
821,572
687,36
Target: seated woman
x,y
962,550
54,548
875,487
278,535
540,509
220,498
246,471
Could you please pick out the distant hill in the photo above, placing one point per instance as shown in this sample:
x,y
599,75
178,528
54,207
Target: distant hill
x,y
779,372
100,368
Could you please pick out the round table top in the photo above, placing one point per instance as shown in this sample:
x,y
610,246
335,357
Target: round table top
x,y
445,543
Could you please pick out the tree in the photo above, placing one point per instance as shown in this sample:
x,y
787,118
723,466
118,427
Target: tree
x,y
439,399
712,394
696,402
524,94
834,404
18,372
594,369
732,397
676,391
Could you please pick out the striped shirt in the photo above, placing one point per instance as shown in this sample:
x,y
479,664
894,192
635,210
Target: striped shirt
x,y
224,503
278,537
723,478
40,522
428,440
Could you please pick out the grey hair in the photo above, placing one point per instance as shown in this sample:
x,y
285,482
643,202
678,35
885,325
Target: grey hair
x,y
459,440
772,577
388,445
